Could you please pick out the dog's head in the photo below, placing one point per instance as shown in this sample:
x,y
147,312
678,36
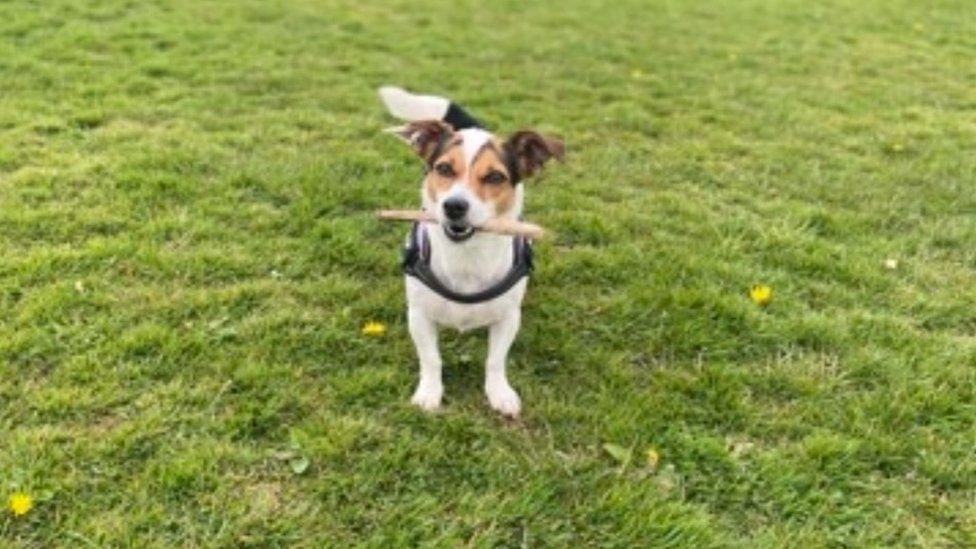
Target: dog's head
x,y
472,175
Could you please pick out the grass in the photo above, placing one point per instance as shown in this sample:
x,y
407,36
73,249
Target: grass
x,y
188,256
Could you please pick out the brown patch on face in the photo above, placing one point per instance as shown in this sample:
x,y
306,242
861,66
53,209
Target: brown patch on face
x,y
445,169
489,179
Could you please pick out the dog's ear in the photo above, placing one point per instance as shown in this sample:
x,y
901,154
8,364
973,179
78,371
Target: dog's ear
x,y
528,151
425,137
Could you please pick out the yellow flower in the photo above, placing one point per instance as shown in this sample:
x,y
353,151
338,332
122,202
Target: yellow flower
x,y
761,295
652,458
20,504
374,329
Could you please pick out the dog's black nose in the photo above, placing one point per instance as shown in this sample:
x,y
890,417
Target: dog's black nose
x,y
455,208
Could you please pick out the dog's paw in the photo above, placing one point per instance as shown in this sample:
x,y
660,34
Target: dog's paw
x,y
503,399
428,397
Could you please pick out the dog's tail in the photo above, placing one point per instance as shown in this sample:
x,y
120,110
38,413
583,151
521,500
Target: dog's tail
x,y
410,106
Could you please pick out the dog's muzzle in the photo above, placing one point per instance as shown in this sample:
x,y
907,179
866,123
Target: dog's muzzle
x,y
456,226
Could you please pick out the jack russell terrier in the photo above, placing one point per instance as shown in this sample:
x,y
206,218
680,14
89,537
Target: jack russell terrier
x,y
456,276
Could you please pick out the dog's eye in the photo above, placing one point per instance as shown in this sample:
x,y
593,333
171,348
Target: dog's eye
x,y
494,178
444,169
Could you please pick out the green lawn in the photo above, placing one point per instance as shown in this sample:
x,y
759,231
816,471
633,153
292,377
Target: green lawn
x,y
187,256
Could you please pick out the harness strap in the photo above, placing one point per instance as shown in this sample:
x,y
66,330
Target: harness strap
x,y
416,263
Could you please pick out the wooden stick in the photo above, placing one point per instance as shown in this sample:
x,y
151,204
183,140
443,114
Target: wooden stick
x,y
497,225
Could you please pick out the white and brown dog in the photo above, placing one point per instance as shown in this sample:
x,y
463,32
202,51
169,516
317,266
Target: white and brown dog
x,y
457,276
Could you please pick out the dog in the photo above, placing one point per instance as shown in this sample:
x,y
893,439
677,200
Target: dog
x,y
456,276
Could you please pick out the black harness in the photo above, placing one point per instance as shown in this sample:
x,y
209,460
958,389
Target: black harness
x,y
416,263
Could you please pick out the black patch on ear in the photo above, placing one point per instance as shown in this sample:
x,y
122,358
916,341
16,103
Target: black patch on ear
x,y
511,163
527,151
427,138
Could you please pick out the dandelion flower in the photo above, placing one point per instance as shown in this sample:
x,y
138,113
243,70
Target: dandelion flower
x,y
652,458
374,329
20,504
761,295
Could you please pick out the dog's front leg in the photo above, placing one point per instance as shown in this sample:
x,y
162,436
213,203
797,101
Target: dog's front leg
x,y
431,388
501,396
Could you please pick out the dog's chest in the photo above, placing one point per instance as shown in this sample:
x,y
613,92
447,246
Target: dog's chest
x,y
467,269
462,316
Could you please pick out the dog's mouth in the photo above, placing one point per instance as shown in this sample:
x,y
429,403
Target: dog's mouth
x,y
458,232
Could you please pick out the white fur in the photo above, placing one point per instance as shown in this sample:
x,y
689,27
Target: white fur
x,y
468,266
410,106
472,139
